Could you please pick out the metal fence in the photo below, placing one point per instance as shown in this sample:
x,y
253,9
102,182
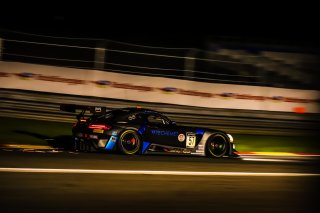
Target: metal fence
x,y
112,56
222,64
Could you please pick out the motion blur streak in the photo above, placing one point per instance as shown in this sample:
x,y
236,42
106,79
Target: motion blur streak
x,y
146,172
268,160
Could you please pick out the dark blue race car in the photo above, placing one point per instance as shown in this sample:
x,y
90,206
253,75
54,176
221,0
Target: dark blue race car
x,y
139,131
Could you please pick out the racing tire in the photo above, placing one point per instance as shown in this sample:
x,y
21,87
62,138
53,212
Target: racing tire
x,y
217,146
129,142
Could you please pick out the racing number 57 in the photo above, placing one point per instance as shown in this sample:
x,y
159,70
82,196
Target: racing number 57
x,y
191,140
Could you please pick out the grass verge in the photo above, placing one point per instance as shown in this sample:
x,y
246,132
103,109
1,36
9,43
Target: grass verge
x,y
25,131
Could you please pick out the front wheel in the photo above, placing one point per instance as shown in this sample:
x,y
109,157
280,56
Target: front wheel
x,y
129,142
217,146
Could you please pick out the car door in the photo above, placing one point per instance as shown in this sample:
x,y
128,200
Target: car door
x,y
161,131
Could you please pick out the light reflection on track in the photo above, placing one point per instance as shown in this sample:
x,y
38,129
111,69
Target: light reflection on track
x,y
269,160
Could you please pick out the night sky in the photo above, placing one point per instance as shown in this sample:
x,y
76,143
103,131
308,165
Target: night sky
x,y
158,24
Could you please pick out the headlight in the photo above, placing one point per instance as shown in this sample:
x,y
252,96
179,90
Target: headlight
x,y
230,138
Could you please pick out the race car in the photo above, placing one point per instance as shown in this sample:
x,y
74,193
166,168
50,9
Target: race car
x,y
138,130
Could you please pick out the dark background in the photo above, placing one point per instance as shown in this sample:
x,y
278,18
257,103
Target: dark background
x,y
171,24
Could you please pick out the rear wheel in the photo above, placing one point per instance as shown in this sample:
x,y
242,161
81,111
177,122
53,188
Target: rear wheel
x,y
217,146
129,142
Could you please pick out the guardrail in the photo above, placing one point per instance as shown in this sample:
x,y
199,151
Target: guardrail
x,y
45,106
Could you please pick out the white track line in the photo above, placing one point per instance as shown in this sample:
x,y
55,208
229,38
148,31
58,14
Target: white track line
x,y
146,172
268,160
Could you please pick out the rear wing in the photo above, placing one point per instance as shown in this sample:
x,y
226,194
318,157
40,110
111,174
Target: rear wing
x,y
92,109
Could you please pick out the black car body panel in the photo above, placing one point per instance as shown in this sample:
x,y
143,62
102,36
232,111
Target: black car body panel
x,y
101,131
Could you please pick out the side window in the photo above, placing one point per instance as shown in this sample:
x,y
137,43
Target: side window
x,y
156,119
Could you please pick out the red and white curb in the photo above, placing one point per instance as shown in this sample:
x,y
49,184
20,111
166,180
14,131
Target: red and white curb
x,y
26,146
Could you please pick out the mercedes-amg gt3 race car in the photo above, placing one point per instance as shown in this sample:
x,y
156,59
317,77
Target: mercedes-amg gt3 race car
x,y
139,131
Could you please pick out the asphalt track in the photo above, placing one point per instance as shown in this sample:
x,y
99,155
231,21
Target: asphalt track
x,y
84,183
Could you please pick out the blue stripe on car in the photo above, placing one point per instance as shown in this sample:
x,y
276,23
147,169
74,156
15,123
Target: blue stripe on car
x,y
142,129
200,131
111,143
145,146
